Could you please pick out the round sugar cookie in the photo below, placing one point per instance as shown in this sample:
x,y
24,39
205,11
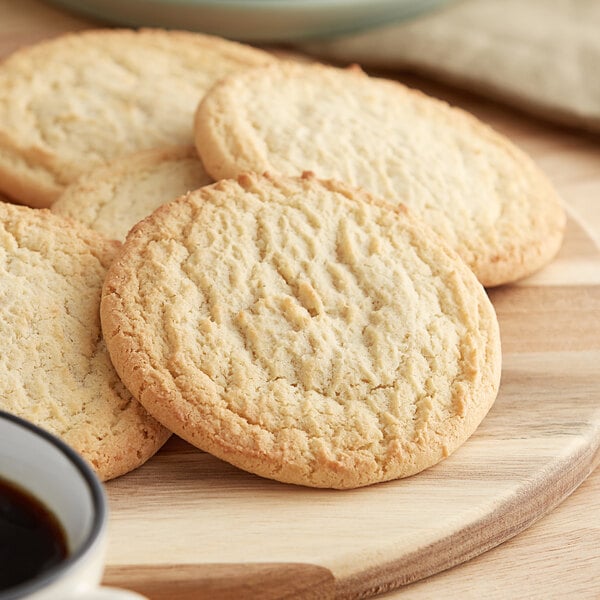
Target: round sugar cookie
x,y
112,199
302,330
55,369
80,100
478,191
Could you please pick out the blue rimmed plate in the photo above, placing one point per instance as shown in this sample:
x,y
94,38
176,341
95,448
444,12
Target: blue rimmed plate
x,y
254,20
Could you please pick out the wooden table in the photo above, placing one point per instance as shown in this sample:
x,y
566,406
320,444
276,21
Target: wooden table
x,y
559,556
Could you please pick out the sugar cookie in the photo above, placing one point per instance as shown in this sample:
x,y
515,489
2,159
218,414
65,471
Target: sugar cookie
x,y
80,100
55,369
302,330
478,191
112,199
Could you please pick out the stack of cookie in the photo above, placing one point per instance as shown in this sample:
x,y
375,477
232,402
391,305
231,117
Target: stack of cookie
x,y
316,315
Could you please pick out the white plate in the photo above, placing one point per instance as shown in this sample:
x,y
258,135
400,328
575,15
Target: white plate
x,y
254,20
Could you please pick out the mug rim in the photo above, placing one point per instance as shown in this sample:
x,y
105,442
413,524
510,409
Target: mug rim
x,y
98,522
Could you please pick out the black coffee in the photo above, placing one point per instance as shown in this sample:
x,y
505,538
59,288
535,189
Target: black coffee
x,y
31,538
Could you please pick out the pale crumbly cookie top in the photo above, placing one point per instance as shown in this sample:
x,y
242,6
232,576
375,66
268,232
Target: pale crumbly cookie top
x,y
483,195
112,199
302,331
78,101
55,369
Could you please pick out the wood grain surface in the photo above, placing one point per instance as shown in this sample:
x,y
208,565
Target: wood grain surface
x,y
189,526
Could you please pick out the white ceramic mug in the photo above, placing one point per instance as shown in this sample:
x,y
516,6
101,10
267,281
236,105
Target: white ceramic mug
x,y
59,478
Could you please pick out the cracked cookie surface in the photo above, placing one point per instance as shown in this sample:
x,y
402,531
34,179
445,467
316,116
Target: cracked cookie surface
x,y
76,102
56,371
478,191
114,198
302,330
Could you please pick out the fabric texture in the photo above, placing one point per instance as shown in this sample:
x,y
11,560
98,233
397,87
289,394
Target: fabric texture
x,y
540,55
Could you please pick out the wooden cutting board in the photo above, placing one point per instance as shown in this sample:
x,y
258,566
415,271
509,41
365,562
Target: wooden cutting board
x,y
187,525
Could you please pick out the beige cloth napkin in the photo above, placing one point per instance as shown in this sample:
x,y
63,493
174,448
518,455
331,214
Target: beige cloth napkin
x,y
540,55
